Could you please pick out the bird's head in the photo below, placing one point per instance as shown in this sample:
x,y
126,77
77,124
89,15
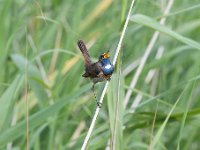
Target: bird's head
x,y
104,56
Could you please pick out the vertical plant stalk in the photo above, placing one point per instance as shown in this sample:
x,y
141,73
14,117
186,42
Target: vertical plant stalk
x,y
145,56
26,96
106,85
113,140
152,129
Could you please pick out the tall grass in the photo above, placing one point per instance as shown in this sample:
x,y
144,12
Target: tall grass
x,y
41,64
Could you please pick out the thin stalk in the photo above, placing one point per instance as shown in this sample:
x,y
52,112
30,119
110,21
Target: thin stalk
x,y
26,97
106,85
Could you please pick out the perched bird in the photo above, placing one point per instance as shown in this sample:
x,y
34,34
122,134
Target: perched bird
x,y
97,71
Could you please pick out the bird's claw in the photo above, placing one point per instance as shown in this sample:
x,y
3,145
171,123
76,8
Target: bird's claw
x,y
99,104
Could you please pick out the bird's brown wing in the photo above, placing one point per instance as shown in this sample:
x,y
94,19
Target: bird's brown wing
x,y
92,70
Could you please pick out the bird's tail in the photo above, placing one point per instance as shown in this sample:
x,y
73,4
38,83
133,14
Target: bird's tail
x,y
84,51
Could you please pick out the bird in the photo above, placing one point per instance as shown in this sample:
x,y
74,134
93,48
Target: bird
x,y
99,71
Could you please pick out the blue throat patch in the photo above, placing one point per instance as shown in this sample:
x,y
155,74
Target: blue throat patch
x,y
107,66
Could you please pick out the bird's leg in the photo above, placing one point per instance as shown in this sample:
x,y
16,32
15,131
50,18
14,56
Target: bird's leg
x,y
98,103
109,79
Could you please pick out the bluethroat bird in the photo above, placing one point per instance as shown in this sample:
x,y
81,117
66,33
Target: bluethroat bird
x,y
97,71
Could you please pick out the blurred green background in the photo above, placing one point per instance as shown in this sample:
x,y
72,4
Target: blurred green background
x,y
41,64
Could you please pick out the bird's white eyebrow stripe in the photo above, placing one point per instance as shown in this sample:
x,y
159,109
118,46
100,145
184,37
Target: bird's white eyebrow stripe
x,y
108,66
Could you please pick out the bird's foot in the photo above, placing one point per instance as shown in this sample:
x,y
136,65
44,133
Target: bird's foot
x,y
99,104
109,79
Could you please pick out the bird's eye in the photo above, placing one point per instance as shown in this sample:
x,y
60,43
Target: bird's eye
x,y
101,56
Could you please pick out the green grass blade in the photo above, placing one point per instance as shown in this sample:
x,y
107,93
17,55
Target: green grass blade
x,y
7,101
39,117
151,23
